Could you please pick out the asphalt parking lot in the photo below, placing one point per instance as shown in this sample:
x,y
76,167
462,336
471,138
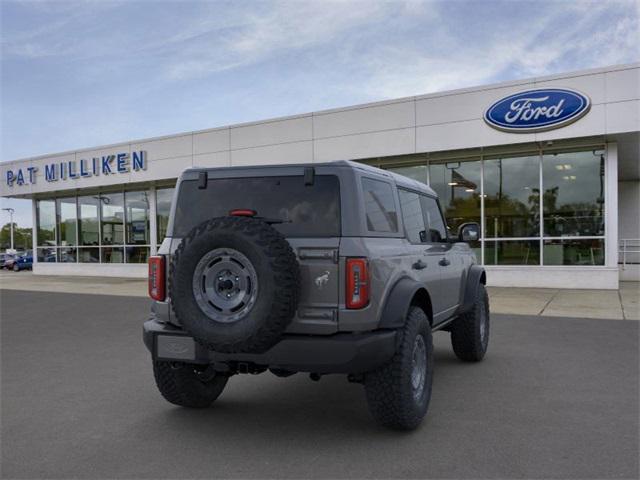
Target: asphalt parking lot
x,y
555,397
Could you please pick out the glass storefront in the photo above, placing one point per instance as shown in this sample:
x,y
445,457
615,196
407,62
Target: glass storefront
x,y
536,208
563,226
110,227
163,209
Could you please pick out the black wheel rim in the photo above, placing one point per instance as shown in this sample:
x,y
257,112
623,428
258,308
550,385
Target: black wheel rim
x,y
225,285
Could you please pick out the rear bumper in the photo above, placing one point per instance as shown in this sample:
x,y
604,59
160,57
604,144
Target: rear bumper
x,y
339,353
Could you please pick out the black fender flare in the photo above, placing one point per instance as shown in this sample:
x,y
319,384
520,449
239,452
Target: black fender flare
x,y
475,277
398,301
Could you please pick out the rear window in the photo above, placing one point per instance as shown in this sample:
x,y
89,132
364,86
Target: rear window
x,y
306,210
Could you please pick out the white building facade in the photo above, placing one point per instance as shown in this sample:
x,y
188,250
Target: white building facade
x,y
550,168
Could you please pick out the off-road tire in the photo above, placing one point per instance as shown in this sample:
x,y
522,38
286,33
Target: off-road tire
x,y
278,287
389,391
467,337
181,385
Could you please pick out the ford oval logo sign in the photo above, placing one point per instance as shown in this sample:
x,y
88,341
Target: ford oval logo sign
x,y
537,110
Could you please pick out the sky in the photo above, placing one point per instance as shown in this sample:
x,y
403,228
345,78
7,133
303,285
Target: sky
x,y
87,73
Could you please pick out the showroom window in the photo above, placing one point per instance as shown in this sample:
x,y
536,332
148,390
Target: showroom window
x,y
112,227
573,208
417,172
100,228
46,230
138,235
163,209
67,222
458,187
88,229
512,197
563,226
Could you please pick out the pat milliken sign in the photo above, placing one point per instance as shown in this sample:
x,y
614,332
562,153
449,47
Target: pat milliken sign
x,y
537,110
105,165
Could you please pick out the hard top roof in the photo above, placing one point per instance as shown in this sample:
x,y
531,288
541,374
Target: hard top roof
x,y
400,180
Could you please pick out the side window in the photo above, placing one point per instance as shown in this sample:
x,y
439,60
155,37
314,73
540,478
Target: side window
x,y
414,220
433,218
380,207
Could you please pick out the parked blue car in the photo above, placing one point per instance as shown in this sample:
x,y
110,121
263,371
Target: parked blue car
x,y
24,262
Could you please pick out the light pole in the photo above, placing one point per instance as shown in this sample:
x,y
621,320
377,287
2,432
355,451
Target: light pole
x,y
11,211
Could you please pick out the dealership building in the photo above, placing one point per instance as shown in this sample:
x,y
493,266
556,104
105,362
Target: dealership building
x,y
549,166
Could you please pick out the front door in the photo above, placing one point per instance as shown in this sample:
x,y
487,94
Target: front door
x,y
444,252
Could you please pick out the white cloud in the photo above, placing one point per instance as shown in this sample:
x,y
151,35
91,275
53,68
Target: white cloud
x,y
286,27
533,47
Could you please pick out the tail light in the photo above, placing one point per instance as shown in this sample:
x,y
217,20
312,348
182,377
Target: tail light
x,y
242,212
357,283
156,278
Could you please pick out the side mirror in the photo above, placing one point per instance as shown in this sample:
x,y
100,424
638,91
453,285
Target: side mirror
x,y
469,232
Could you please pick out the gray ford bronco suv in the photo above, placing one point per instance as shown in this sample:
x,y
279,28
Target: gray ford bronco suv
x,y
323,268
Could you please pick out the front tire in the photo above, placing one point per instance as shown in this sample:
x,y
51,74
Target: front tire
x,y
398,394
16,268
470,332
183,385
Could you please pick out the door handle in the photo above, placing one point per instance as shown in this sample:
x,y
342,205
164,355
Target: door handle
x,y
419,265
444,262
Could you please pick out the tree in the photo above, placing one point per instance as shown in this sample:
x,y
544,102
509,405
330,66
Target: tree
x,y
21,237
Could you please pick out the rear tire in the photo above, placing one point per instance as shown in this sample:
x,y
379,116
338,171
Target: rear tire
x,y
16,268
398,394
181,385
470,332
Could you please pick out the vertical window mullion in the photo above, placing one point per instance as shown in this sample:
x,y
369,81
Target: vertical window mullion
x,y
482,220
77,232
541,196
99,228
124,226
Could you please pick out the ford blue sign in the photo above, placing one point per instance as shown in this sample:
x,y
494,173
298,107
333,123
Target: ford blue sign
x,y
537,110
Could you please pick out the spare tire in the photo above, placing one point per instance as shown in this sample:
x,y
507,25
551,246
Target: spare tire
x,y
234,284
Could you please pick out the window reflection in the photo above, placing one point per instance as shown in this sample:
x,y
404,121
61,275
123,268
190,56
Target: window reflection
x,y
89,255
67,255
163,208
67,213
416,172
137,217
88,220
573,198
112,223
458,187
46,218
112,255
137,254
574,252
512,197
512,252
46,255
